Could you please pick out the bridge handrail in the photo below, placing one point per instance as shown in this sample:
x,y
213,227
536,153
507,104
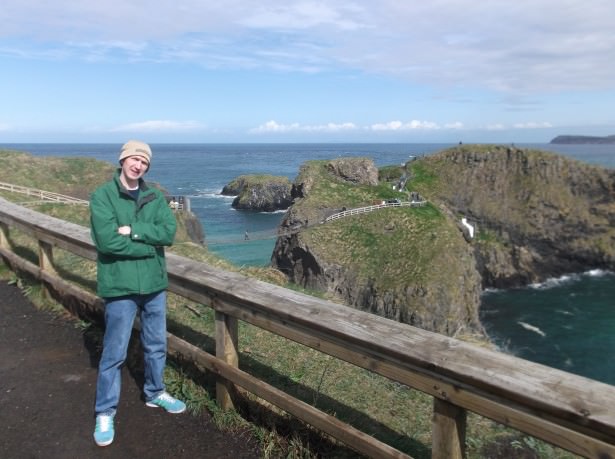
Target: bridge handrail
x,y
569,411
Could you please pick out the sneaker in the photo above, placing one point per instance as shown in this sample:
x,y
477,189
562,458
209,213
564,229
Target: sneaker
x,y
169,403
104,431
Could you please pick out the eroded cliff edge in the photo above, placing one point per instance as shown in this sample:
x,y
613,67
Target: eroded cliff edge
x,y
535,215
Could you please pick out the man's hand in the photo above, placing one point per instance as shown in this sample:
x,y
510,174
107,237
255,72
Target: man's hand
x,y
124,230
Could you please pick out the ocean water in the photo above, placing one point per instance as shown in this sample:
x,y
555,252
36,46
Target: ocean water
x,y
566,323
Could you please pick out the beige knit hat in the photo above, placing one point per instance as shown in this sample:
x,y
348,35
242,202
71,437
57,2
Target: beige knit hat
x,y
136,148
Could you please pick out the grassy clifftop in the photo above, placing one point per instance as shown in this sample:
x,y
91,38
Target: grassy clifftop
x,y
411,264
76,177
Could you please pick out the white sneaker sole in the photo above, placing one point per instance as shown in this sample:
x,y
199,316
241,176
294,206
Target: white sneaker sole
x,y
153,405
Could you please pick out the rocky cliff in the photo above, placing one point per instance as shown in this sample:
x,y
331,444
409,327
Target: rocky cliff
x,y
260,193
539,214
534,215
408,264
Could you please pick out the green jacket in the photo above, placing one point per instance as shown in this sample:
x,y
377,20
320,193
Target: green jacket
x,y
132,264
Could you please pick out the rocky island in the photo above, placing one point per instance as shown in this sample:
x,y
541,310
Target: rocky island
x,y
533,214
259,193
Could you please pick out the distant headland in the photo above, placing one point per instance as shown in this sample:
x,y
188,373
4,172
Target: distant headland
x,y
582,139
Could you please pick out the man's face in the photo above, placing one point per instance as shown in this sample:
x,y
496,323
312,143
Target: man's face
x,y
134,167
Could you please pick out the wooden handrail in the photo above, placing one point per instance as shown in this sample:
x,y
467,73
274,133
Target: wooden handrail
x,y
569,411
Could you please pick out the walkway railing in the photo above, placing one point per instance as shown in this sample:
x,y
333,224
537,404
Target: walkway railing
x,y
363,210
42,195
569,411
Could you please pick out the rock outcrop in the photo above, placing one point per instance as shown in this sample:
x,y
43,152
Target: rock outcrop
x,y
541,215
394,262
533,215
260,193
189,227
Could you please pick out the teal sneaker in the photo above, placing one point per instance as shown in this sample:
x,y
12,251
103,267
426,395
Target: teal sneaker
x,y
104,431
169,403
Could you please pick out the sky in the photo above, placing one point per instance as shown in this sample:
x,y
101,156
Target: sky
x,y
306,71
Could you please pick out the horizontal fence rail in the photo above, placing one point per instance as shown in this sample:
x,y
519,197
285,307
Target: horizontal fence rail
x,y
45,196
363,210
569,411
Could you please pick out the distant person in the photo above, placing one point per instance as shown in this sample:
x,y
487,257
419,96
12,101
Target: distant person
x,y
246,236
173,204
131,225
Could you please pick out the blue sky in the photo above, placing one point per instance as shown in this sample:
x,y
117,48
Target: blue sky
x,y
306,71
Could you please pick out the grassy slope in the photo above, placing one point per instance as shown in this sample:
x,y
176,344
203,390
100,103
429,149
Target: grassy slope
x,y
392,249
400,243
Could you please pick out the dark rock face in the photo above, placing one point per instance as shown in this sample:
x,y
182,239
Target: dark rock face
x,y
550,215
260,193
194,228
264,197
355,170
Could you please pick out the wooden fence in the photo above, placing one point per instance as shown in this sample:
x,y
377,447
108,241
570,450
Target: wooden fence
x,y
569,411
364,210
43,196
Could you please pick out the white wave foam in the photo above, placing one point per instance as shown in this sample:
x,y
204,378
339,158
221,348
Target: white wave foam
x,y
211,194
532,328
566,313
567,278
555,282
596,272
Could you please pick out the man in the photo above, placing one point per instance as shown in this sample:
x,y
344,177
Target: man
x,y
131,224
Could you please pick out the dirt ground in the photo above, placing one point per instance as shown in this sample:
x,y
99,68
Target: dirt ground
x,y
47,384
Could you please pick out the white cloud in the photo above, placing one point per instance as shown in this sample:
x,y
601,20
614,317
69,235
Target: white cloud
x,y
158,126
303,15
400,126
274,127
533,125
520,47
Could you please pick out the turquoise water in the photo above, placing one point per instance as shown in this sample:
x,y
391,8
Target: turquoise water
x,y
567,323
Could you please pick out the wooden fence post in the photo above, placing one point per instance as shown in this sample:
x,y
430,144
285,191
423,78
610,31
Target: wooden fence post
x,y
45,262
448,431
227,350
4,235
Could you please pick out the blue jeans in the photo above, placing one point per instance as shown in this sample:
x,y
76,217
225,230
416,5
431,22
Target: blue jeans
x,y
120,313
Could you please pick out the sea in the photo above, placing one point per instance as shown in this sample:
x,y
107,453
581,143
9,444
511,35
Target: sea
x,y
566,323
